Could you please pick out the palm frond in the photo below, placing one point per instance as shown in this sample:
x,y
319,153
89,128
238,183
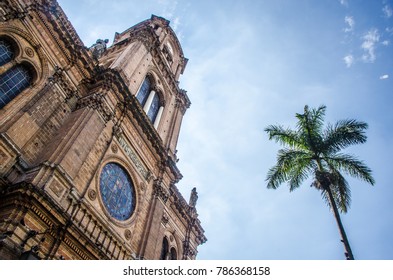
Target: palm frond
x,y
313,118
318,117
303,166
351,166
343,134
285,137
292,166
310,127
275,177
340,191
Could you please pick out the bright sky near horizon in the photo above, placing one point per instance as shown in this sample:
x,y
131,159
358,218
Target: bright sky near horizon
x,y
255,63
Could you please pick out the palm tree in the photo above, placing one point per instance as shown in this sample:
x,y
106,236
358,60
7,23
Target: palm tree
x,y
312,150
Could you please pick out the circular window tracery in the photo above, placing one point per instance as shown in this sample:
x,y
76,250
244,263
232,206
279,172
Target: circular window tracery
x,y
117,191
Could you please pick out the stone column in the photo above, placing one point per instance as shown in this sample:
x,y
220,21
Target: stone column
x,y
149,101
158,117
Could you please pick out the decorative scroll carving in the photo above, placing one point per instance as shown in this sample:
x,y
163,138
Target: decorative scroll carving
x,y
92,194
114,148
134,158
29,52
127,234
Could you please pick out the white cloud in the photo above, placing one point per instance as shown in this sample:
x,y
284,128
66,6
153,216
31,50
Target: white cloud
x,y
384,77
351,24
386,43
387,11
168,10
368,45
176,23
348,59
344,3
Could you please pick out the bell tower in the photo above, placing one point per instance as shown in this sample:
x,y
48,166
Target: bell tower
x,y
88,141
150,59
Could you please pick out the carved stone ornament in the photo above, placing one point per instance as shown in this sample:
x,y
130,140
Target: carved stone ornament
x,y
114,148
165,219
99,48
127,234
160,192
193,198
92,194
133,156
29,52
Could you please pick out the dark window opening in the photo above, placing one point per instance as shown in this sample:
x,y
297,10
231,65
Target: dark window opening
x,y
13,82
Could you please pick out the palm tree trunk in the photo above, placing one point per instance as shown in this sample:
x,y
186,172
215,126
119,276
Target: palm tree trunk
x,y
344,239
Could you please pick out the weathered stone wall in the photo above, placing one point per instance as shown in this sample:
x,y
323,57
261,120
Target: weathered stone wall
x,y
79,114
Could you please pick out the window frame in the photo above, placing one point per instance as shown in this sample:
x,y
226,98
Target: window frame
x,y
8,95
131,187
14,81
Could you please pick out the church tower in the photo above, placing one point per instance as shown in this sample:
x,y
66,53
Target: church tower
x,y
88,141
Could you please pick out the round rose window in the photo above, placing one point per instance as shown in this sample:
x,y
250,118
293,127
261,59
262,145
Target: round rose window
x,y
117,191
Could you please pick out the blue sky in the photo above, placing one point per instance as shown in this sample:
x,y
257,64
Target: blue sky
x,y
256,63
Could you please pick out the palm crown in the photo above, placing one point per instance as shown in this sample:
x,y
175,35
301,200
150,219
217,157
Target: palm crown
x,y
313,149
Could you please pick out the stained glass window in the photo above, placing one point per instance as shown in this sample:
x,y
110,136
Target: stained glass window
x,y
6,52
117,191
154,107
144,91
13,82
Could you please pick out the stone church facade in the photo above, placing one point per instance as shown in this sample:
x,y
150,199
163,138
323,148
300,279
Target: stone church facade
x,y
88,141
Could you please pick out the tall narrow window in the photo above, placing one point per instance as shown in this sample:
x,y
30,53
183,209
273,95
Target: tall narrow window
x,y
150,101
13,82
164,249
154,107
173,254
6,52
144,91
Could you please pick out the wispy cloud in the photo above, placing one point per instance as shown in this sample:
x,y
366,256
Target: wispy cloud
x,y
344,3
387,11
368,45
350,22
386,43
384,77
169,8
348,59
175,23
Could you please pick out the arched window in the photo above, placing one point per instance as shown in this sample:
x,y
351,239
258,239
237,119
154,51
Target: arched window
x,y
173,254
6,52
144,91
150,101
17,77
167,254
164,249
154,107
13,82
